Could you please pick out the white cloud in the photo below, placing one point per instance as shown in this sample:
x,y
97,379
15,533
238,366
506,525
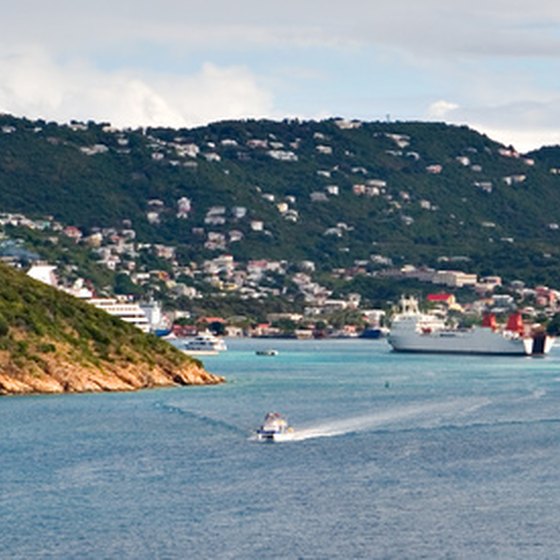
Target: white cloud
x,y
441,109
523,140
525,125
33,84
184,63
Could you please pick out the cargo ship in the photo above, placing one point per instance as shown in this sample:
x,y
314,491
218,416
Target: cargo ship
x,y
414,331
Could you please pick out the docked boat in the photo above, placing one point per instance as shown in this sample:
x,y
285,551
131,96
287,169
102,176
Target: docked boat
x,y
202,344
274,428
374,332
413,331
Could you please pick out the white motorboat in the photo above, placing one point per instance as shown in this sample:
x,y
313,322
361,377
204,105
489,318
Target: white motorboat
x,y
202,344
274,428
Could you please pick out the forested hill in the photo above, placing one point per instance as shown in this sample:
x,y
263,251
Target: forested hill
x,y
332,191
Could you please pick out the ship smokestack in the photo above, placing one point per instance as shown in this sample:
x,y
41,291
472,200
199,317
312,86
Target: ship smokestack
x,y
515,324
489,321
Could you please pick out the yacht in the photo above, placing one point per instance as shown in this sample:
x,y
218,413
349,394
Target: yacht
x,y
204,343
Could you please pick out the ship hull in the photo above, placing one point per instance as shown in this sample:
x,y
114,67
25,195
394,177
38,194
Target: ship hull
x,y
475,341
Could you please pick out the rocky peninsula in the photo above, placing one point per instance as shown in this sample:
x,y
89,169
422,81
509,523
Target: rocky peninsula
x,y
51,342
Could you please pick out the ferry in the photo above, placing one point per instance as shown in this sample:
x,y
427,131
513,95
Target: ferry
x,y
413,331
274,428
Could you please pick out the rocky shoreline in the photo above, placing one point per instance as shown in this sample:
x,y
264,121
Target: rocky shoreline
x,y
58,378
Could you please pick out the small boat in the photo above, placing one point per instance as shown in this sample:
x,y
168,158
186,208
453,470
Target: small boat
x,y
270,352
274,428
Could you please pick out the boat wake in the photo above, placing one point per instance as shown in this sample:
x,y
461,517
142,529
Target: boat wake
x,y
421,415
216,422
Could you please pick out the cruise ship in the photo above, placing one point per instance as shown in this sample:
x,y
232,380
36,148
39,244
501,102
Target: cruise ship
x,y
413,331
129,312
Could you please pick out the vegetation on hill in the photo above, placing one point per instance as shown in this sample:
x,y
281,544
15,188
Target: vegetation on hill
x,y
52,342
330,192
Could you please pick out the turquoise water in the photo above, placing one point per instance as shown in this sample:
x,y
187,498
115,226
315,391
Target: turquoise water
x,y
395,456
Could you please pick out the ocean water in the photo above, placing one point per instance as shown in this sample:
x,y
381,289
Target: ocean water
x,y
394,457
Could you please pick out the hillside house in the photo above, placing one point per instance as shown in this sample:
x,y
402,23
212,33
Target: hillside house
x,y
514,179
239,212
216,211
215,220
454,278
152,217
434,169
344,124
318,197
401,140
212,157
235,235
282,155
255,143
94,150
488,284
508,152
333,232
291,216
187,150
184,207
73,233
359,170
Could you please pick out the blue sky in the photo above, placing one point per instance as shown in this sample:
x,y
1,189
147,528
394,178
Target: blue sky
x,y
184,63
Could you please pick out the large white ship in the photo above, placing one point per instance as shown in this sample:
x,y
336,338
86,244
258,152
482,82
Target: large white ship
x,y
413,331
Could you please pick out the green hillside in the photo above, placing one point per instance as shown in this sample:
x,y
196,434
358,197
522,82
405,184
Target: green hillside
x,y
433,191
52,342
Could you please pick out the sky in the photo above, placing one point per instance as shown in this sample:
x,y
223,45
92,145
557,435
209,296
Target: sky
x,y
185,63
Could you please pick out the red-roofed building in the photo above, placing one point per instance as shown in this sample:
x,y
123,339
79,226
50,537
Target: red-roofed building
x,y
448,299
210,320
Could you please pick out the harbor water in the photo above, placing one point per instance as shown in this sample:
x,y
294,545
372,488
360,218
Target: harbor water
x,y
393,456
